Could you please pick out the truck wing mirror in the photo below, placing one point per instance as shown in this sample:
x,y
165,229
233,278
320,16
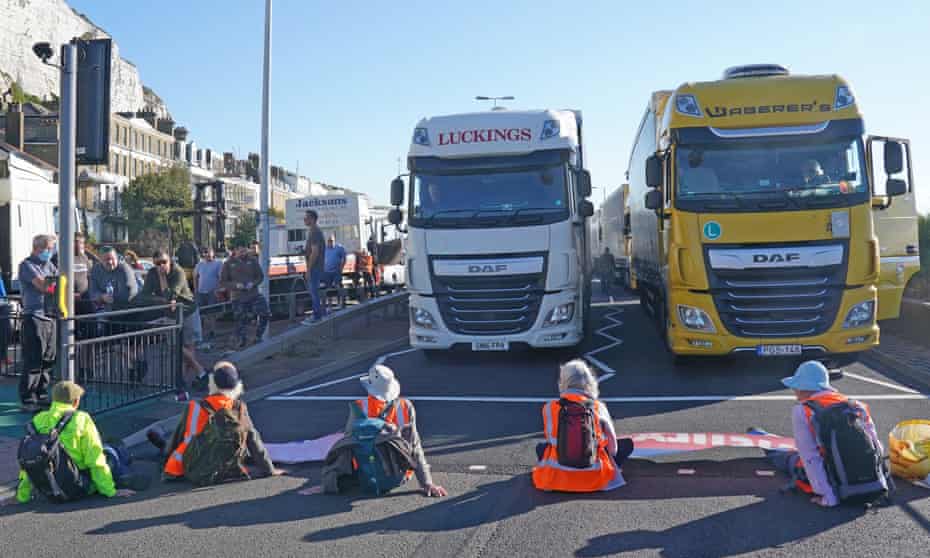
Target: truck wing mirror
x,y
397,192
584,183
396,216
895,187
894,158
585,209
654,171
654,200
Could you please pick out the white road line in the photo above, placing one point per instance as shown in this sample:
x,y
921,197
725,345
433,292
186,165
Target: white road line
x,y
608,372
383,358
325,384
380,360
879,382
639,399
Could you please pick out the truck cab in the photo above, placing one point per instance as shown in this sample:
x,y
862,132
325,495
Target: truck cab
x,y
497,247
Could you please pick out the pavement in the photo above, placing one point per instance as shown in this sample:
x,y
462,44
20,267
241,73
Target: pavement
x,y
479,415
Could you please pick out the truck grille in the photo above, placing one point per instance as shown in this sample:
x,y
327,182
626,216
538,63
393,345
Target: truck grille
x,y
489,305
773,302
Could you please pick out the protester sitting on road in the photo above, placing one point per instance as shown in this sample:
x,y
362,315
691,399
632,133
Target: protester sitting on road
x,y
205,456
814,419
241,275
166,284
39,335
206,281
98,468
384,403
113,283
581,452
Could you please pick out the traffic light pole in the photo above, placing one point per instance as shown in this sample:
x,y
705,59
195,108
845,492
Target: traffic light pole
x,y
66,175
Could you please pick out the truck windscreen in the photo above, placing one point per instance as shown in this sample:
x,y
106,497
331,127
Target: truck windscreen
x,y
755,176
489,197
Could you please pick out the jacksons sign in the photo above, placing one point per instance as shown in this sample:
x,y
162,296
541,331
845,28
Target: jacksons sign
x,y
487,135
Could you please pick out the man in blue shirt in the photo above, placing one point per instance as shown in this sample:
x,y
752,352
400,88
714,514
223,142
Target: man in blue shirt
x,y
36,277
334,260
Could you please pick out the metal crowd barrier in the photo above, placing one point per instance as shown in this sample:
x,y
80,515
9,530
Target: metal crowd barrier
x,y
11,354
126,356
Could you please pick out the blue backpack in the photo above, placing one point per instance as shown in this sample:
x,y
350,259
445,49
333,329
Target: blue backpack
x,y
370,469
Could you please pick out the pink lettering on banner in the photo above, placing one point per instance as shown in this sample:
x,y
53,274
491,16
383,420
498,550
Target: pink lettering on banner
x,y
670,442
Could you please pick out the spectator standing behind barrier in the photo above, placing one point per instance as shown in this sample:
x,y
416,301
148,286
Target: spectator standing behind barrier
x,y
112,284
225,392
206,281
577,420
334,260
166,284
103,469
315,259
39,330
83,265
241,275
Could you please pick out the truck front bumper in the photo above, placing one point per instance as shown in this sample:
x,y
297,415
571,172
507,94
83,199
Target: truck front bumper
x,y
836,340
567,334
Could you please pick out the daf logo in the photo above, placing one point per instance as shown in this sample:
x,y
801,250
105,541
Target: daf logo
x,y
487,268
787,257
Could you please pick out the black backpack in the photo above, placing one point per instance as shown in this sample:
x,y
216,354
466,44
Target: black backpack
x,y
217,453
855,467
577,441
49,467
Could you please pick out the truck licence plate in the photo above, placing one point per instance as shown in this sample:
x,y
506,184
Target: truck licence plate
x,y
490,345
778,350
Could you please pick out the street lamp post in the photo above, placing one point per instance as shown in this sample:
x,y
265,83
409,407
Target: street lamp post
x,y
266,164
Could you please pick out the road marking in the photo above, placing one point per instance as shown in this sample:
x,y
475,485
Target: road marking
x,y
477,467
685,471
608,372
640,399
761,473
879,382
383,358
380,360
325,384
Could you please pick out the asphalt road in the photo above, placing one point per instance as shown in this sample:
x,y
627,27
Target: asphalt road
x,y
480,418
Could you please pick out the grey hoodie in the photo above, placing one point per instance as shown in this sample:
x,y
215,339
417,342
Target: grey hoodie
x,y
123,280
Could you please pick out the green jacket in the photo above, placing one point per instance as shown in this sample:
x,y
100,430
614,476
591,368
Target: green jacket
x,y
159,289
81,441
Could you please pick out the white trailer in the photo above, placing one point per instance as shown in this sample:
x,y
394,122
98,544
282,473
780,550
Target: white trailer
x,y
497,248
28,206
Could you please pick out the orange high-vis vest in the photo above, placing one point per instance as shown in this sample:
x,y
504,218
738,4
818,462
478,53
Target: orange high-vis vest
x,y
548,474
373,407
197,418
366,262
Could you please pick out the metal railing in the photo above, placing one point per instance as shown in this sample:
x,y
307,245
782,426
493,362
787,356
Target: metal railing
x,y
126,356
11,353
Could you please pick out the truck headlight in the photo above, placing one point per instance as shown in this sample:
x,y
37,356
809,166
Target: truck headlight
x,y
422,318
560,314
695,318
860,314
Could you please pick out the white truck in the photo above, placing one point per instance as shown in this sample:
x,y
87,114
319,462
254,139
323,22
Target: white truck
x,y
497,242
354,222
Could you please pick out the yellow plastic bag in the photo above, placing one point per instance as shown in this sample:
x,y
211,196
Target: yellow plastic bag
x,y
909,447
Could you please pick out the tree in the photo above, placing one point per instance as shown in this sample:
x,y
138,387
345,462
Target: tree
x,y
151,199
246,228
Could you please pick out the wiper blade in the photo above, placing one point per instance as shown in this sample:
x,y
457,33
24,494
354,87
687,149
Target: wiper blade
x,y
431,218
537,213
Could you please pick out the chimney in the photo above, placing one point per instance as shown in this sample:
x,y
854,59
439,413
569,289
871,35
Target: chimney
x,y
165,126
16,127
229,163
180,134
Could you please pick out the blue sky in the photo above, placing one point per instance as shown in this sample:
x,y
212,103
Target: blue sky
x,y
351,78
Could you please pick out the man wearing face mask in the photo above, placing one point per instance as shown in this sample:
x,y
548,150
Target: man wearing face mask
x,y
37,276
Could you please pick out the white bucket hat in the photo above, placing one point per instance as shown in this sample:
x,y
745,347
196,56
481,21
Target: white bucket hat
x,y
381,383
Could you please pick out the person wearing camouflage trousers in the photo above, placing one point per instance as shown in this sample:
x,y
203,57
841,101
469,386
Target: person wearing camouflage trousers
x,y
241,276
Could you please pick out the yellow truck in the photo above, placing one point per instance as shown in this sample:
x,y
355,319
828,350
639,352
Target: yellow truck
x,y
764,221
